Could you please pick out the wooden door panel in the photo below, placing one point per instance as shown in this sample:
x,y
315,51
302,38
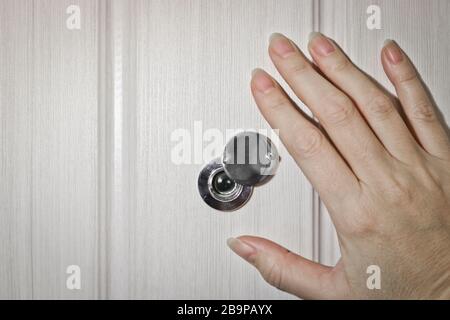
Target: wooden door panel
x,y
186,62
49,141
87,116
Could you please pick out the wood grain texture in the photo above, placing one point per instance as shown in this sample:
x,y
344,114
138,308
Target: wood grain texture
x,y
420,27
16,150
49,149
86,117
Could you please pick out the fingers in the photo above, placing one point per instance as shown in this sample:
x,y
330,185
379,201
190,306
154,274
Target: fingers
x,y
335,111
416,102
377,108
285,270
318,159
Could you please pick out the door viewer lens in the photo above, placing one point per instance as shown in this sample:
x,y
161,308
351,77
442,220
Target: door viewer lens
x,y
222,183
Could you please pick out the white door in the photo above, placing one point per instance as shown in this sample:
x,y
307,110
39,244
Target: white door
x,y
87,121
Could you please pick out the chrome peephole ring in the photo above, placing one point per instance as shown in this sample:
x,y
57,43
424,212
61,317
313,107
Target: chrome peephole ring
x,y
219,191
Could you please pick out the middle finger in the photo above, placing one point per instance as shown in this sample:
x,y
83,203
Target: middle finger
x,y
335,111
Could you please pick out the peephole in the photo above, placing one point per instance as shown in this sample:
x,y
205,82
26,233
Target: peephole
x,y
249,159
219,191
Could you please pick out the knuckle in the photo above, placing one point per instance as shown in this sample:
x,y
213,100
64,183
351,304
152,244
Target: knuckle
x,y
339,109
340,64
273,274
276,272
362,225
367,151
298,68
423,111
406,77
399,192
278,102
308,143
380,106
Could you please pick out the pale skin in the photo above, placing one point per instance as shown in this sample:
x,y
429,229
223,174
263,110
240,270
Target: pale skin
x,y
380,163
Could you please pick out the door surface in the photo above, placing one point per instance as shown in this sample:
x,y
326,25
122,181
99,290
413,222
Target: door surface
x,y
89,119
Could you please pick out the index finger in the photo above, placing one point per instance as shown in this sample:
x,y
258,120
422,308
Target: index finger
x,y
312,151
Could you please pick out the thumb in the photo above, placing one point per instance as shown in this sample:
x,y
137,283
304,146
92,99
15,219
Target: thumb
x,y
283,269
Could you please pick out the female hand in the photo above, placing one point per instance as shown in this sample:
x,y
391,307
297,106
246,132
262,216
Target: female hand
x,y
383,172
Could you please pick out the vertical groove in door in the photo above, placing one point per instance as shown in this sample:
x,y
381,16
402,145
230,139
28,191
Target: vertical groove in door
x,y
117,223
117,148
31,50
328,244
103,179
316,203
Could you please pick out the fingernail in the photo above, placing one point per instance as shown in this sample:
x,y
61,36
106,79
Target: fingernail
x,y
242,249
262,81
281,45
393,52
320,44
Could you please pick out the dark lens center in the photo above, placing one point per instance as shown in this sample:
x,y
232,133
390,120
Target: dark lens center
x,y
222,183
